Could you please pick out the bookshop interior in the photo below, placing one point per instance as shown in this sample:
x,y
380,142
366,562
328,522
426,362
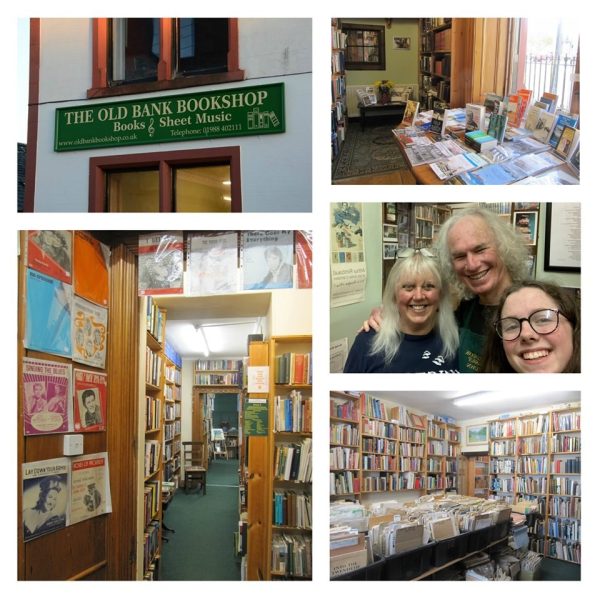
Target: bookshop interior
x,y
165,405
520,258
441,486
458,101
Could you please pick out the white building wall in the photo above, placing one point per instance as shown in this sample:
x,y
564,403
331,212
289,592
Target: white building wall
x,y
275,169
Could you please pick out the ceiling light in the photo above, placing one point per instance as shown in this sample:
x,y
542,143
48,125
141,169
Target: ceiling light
x,y
479,398
227,198
201,337
226,182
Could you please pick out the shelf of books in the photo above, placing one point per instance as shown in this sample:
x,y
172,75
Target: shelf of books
x,y
344,445
339,118
218,373
150,535
172,423
537,457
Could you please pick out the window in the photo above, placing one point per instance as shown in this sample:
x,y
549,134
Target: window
x,y
365,47
180,181
144,55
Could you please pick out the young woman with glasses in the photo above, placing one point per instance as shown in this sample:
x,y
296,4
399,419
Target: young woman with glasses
x,y
536,330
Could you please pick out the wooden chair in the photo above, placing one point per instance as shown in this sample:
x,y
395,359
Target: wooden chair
x,y
194,464
219,449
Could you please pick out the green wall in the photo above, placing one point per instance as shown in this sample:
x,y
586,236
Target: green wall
x,y
225,410
401,65
345,320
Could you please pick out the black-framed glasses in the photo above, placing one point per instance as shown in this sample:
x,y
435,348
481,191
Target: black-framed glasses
x,y
408,252
542,321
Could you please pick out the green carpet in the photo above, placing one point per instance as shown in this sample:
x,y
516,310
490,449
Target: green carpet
x,y
201,549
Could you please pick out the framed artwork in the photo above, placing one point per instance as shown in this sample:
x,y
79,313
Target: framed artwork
x,y
389,251
563,237
390,233
477,434
390,214
526,223
401,43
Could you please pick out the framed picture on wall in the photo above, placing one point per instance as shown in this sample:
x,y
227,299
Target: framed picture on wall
x,y
477,434
563,237
390,233
526,223
389,251
401,43
390,214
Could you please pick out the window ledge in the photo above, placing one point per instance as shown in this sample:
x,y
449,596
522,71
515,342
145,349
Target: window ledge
x,y
167,84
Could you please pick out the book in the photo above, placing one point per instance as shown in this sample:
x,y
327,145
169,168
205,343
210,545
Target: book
x,y
573,159
89,400
50,252
90,268
492,102
556,176
410,113
525,98
475,117
497,126
456,164
544,126
513,110
496,174
562,120
567,142
439,119
480,141
48,314
47,406
551,100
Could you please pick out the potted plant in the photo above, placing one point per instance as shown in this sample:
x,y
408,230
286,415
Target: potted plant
x,y
385,90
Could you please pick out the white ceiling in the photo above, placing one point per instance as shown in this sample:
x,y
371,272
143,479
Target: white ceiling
x,y
226,320
440,403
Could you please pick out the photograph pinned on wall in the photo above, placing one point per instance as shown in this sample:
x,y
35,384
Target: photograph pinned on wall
x,y
267,259
46,397
213,263
389,251
160,264
45,497
50,252
89,400
401,43
89,332
390,212
525,223
48,321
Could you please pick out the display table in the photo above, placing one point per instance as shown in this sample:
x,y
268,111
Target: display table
x,y
381,110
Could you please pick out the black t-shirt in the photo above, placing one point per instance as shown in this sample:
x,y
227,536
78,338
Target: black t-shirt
x,y
416,354
474,322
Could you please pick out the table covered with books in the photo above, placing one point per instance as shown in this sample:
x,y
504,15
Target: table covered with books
x,y
451,146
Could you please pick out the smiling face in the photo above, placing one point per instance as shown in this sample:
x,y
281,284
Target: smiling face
x,y
51,500
476,261
532,352
417,299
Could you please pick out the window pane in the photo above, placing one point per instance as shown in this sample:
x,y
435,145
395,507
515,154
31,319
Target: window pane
x,y
136,49
203,45
133,191
203,189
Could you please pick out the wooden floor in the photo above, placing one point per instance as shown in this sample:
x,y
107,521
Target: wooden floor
x,y
400,177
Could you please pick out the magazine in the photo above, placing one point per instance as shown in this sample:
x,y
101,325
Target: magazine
x,y
89,330
267,259
50,252
213,263
48,314
45,497
46,397
160,264
89,400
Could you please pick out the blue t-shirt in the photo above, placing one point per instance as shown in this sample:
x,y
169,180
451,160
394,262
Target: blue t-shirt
x,y
416,354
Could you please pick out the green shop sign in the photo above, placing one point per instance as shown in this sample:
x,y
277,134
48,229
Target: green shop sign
x,y
256,110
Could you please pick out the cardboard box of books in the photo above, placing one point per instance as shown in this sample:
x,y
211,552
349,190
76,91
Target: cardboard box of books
x,y
346,562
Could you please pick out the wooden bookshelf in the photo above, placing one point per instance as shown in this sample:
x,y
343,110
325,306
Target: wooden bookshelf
x,y
344,445
172,421
152,452
444,61
339,113
268,480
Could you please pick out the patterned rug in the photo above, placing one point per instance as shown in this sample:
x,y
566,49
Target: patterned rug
x,y
367,152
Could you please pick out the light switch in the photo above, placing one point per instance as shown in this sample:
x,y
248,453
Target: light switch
x,y
73,445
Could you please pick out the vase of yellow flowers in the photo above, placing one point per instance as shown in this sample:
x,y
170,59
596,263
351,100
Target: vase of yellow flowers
x,y
385,90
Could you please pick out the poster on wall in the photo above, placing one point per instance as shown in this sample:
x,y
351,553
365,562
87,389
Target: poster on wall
x,y
89,331
46,397
90,487
267,259
89,399
50,252
213,264
160,264
90,268
48,316
304,258
563,237
348,266
45,497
